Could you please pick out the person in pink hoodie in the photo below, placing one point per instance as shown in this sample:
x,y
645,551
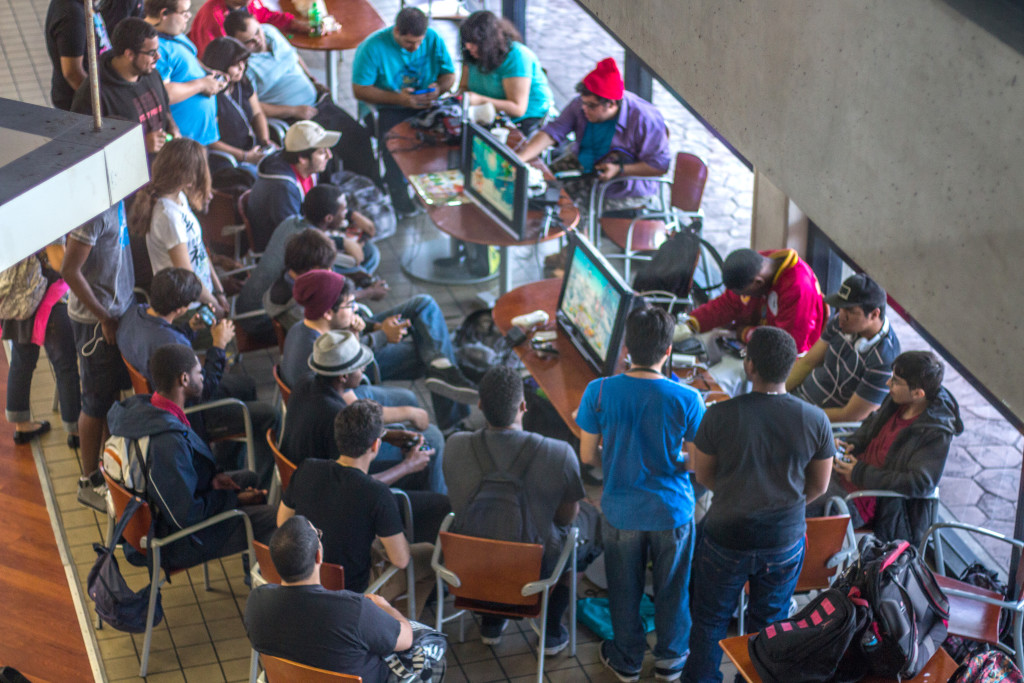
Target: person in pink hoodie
x,y
772,287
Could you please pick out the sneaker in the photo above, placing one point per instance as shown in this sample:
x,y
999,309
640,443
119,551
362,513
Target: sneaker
x,y
553,644
624,676
663,674
92,492
490,633
448,381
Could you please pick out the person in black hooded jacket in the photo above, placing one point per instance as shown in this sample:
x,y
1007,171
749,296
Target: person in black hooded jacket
x,y
900,447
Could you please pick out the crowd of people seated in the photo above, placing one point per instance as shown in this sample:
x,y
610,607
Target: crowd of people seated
x,y
203,96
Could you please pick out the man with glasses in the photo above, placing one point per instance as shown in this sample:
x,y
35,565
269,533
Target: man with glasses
x,y
130,88
617,134
302,621
190,86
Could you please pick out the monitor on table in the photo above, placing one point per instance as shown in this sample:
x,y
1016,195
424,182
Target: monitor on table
x,y
495,179
593,305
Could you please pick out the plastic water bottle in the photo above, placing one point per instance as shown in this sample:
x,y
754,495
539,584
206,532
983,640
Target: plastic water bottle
x,y
316,20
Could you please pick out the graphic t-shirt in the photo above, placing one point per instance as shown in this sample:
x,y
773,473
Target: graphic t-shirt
x,y
380,61
173,223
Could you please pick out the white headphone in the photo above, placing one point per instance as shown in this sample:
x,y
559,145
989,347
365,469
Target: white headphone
x,y
863,346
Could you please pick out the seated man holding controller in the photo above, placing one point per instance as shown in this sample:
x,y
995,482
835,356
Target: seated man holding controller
x,y
901,447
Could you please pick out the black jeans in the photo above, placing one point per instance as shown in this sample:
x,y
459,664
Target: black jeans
x,y
388,118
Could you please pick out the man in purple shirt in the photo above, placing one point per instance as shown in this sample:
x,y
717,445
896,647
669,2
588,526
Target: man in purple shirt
x,y
617,134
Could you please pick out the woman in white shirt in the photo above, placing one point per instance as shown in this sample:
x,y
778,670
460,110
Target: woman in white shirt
x,y
162,211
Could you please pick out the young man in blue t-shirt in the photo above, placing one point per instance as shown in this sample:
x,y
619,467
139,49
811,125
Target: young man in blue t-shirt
x,y
401,70
764,454
634,425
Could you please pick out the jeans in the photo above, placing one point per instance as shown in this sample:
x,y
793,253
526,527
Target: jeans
x,y
388,118
355,149
626,554
409,359
719,575
430,478
60,349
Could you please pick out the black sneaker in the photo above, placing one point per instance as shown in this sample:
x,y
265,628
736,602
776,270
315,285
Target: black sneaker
x,y
624,676
452,384
665,674
490,633
92,492
555,643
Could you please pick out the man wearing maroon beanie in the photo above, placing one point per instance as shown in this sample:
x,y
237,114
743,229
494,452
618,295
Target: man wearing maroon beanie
x,y
617,134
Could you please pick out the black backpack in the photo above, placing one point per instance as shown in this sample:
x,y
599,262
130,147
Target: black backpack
x,y
909,611
496,509
809,647
962,649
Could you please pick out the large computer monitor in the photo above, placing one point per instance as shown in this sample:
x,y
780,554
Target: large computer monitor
x,y
593,305
495,179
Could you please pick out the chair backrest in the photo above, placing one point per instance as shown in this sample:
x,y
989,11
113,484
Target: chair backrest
x,y
825,536
332,576
285,391
243,211
219,214
285,467
495,571
138,527
286,671
688,182
139,382
280,332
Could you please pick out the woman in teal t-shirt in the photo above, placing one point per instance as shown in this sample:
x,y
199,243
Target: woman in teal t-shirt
x,y
499,69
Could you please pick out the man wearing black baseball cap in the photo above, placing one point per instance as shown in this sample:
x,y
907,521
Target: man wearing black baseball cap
x,y
846,371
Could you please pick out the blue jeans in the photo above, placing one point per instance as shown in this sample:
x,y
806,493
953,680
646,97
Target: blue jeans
x,y
719,575
626,554
409,359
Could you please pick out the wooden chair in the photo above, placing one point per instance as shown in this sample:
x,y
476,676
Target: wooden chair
x,y
243,213
141,386
973,611
332,576
648,231
279,332
137,535
823,558
285,671
281,386
939,668
220,225
503,578
285,467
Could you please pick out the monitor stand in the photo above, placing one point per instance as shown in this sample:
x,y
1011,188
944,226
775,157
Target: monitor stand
x,y
444,261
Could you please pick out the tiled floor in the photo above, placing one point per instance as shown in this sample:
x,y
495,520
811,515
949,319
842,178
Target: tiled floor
x,y
202,638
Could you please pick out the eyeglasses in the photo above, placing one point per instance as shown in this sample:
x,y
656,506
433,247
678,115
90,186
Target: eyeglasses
x,y
591,105
319,533
149,53
383,433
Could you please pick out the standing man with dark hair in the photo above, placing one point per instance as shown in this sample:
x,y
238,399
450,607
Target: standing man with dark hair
x,y
190,86
846,371
901,447
184,483
286,176
98,269
66,45
401,69
634,425
772,288
765,454
130,88
302,621
551,488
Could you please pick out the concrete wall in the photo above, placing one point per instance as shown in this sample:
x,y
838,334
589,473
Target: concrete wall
x,y
897,126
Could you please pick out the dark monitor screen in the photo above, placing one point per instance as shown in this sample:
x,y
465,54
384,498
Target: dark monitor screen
x,y
593,305
495,179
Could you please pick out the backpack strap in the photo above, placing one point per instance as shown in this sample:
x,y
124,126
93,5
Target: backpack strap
x,y
518,466
129,511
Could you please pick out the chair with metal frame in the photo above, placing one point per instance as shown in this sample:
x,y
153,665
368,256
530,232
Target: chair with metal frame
x,y
503,578
838,505
974,611
280,670
137,534
141,386
332,576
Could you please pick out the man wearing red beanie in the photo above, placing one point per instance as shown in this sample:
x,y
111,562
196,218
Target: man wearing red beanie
x,y
617,133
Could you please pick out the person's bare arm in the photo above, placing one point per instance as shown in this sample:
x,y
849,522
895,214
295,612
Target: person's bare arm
x,y
590,448
287,111
73,70
397,549
703,467
284,513
404,641
394,98
444,84
607,170
805,364
172,125
517,97
816,478
75,254
418,417
539,142
855,410
259,120
179,92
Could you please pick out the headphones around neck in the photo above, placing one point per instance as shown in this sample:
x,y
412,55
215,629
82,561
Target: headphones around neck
x,y
863,346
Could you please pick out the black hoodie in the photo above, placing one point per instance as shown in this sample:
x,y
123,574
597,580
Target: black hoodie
x,y
913,465
144,101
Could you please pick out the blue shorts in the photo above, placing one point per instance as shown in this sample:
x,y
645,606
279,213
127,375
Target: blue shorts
x,y
103,373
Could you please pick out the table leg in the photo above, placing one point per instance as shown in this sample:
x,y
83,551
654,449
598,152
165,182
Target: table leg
x,y
505,283
331,69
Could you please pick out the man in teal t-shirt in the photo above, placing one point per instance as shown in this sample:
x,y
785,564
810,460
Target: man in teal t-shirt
x,y
401,70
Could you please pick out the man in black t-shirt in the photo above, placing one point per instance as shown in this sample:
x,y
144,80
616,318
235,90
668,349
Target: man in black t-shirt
x,y
302,621
359,516
130,88
65,43
764,454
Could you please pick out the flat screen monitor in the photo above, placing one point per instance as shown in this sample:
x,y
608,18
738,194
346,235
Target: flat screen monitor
x,y
495,179
593,305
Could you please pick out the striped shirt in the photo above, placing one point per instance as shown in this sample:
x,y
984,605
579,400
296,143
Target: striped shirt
x,y
845,372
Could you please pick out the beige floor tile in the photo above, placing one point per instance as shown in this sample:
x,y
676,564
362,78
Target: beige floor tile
x,y
161,640
121,667
186,635
220,609
166,677
237,669
226,629
163,661
197,655
202,674
519,665
235,648
112,648
182,615
482,672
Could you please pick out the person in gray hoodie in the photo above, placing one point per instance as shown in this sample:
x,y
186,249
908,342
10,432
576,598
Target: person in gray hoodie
x,y
184,484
